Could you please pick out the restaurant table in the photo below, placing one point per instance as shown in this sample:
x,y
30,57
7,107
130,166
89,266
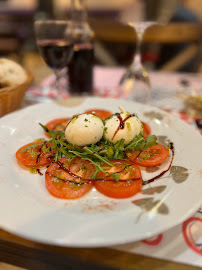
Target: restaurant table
x,y
169,250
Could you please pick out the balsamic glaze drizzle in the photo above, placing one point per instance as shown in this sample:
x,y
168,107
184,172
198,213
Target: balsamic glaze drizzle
x,y
39,172
121,123
40,152
62,167
67,181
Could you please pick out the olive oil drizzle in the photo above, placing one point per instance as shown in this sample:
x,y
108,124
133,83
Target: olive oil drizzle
x,y
40,152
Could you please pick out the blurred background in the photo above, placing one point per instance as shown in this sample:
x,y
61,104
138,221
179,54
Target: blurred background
x,y
114,41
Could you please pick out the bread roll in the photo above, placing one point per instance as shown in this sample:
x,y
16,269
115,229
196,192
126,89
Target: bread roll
x,y
11,73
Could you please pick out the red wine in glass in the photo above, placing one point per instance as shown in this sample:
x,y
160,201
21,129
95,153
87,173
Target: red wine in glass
x,y
56,53
81,66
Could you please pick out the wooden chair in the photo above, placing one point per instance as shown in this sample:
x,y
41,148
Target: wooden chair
x,y
15,29
173,33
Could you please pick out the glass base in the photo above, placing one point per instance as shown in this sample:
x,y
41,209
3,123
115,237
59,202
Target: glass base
x,y
135,90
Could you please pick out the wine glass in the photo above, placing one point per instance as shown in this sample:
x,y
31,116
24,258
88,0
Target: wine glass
x,y
55,40
135,82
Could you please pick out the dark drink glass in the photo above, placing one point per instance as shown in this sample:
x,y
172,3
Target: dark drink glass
x,y
56,53
80,70
55,41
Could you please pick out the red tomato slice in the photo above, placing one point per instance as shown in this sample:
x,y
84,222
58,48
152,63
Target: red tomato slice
x,y
149,157
78,170
58,181
34,155
146,130
120,189
82,168
101,113
122,170
66,190
58,124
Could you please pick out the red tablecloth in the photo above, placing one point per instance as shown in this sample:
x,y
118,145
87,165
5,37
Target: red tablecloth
x,y
163,93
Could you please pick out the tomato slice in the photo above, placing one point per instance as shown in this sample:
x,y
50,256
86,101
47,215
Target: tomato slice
x,y
61,182
149,157
123,180
120,189
33,154
101,113
58,124
122,170
78,170
146,130
82,168
66,190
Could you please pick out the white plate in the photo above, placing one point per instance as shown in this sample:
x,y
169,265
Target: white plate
x,y
29,211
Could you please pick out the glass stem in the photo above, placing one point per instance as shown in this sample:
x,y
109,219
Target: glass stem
x,y
137,59
57,82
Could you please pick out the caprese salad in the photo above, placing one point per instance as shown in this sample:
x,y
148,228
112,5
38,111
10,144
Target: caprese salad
x,y
94,149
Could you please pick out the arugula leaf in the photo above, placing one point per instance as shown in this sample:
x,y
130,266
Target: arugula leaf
x,y
149,141
103,159
53,134
136,144
119,147
139,143
29,147
115,176
95,173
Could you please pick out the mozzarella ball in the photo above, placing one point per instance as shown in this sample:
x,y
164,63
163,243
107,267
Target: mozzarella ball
x,y
84,129
116,128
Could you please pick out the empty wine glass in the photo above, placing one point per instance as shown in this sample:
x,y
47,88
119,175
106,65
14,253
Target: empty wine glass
x,y
135,82
55,40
